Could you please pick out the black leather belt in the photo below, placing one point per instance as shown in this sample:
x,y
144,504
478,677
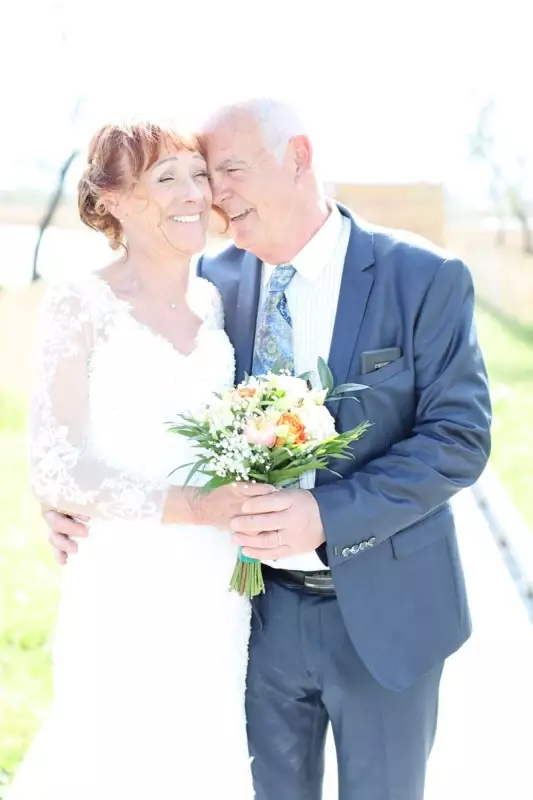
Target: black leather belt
x,y
314,582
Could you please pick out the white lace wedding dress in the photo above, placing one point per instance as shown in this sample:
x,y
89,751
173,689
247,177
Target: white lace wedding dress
x,y
150,651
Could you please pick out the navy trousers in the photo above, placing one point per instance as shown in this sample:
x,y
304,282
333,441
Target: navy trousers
x,y
304,674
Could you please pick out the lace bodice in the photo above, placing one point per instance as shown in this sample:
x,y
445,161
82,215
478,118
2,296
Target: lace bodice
x,y
107,386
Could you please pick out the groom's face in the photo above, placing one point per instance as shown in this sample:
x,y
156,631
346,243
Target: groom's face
x,y
255,187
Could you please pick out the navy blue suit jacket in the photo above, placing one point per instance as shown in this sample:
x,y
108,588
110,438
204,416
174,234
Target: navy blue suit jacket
x,y
390,534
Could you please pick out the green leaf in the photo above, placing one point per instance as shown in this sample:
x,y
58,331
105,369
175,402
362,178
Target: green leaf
x,y
280,455
182,466
306,376
280,475
277,366
188,420
260,477
183,431
215,483
348,387
356,433
196,468
325,375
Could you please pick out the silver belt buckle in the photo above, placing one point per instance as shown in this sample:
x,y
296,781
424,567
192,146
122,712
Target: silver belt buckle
x,y
319,582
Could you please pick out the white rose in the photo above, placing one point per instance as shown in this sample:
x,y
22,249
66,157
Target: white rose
x,y
318,422
317,396
219,414
296,387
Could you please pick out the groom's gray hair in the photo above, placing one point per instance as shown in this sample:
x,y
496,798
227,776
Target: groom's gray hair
x,y
279,120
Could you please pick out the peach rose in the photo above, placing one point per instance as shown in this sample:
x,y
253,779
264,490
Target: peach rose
x,y
296,433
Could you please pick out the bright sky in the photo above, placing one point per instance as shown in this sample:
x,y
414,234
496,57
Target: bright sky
x,y
390,89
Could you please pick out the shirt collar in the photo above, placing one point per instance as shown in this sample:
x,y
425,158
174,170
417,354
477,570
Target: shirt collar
x,y
315,255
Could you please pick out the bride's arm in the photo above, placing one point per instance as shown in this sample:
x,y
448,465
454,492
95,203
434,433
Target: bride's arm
x,y
63,474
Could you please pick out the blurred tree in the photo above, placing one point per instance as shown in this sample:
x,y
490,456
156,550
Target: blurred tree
x,y
510,187
51,209
63,25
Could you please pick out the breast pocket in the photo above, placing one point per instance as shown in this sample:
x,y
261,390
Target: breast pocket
x,y
384,373
387,403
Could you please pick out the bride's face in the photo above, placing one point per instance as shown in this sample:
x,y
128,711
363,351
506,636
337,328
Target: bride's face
x,y
169,205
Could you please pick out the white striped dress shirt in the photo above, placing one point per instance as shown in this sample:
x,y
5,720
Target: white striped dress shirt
x,y
312,297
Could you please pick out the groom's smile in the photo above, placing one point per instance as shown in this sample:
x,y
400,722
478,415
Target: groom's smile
x,y
240,216
260,182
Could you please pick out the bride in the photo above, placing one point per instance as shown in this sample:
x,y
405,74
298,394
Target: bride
x,y
150,650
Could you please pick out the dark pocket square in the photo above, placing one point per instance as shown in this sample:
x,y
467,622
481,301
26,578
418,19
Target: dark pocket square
x,y
372,360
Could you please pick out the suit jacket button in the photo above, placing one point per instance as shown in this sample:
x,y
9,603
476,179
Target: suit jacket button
x,y
363,545
346,552
354,550
372,541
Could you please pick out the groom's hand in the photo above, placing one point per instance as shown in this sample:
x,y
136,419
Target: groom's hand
x,y
282,524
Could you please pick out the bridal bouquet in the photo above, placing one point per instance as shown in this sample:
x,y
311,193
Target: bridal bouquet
x,y
269,429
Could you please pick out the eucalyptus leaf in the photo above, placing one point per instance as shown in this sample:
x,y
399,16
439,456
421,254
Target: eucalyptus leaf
x,y
348,387
277,366
325,375
340,398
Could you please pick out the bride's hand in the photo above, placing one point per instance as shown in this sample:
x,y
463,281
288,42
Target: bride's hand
x,y
221,505
216,508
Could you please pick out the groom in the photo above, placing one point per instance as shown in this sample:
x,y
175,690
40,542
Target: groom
x,y
365,592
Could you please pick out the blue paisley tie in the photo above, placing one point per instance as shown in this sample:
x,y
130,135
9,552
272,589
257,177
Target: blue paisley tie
x,y
273,343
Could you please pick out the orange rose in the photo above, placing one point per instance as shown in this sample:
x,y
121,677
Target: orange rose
x,y
244,391
297,433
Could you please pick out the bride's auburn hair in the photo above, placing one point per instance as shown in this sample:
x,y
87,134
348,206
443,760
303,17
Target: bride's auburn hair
x,y
117,155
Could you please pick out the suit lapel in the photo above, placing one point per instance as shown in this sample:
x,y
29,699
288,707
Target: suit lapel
x,y
246,314
355,289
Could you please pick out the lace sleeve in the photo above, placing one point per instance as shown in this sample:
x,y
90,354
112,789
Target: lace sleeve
x,y
214,313
63,475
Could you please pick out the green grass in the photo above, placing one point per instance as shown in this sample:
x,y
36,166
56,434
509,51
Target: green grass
x,y
28,596
508,351
29,577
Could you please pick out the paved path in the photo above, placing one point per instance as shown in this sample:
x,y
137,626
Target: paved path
x,y
484,745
